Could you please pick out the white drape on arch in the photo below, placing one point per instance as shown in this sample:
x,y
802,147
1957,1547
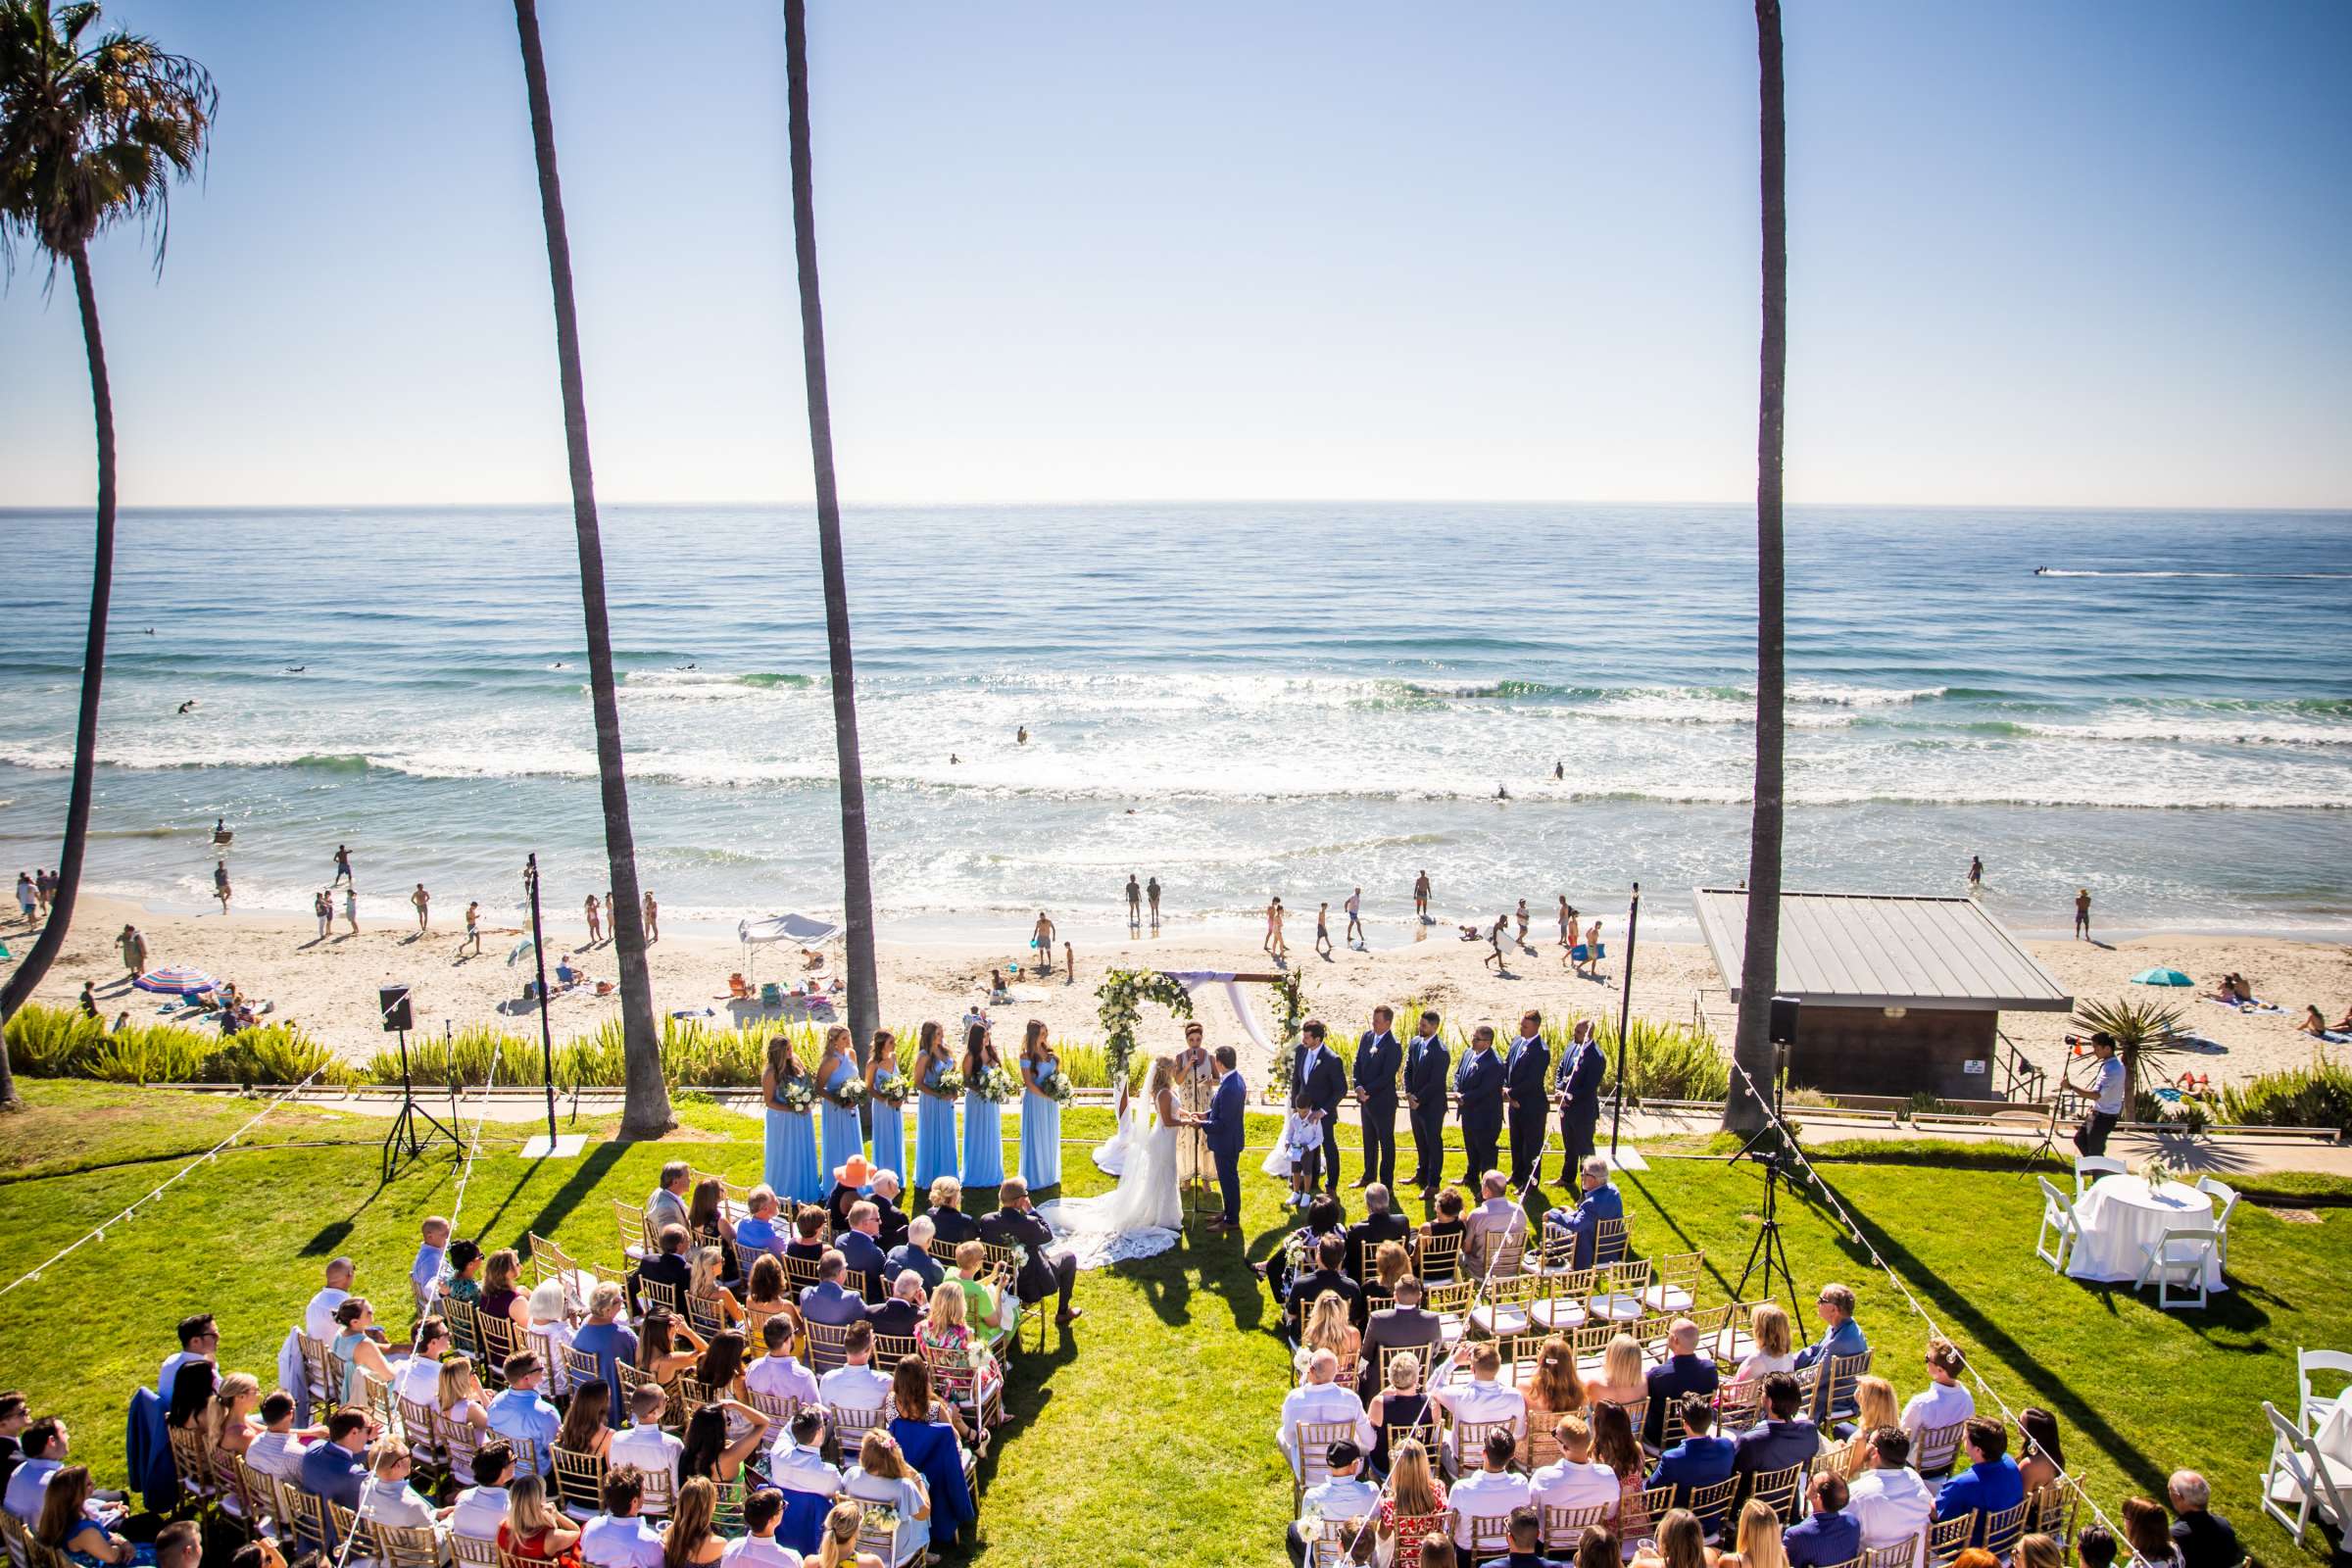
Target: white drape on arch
x,y
1112,1155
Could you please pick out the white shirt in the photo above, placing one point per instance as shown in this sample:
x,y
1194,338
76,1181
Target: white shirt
x,y
1341,1498
481,1511
395,1505
1321,1402
1570,1485
1485,1493
1938,1404
30,1486
609,1543
1758,1365
759,1552
647,1449
781,1377
798,1469
1891,1507
1485,1399
319,1318
418,1378
856,1388
2110,1087
277,1454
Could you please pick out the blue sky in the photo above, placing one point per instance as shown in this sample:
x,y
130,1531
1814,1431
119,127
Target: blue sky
x,y
2079,254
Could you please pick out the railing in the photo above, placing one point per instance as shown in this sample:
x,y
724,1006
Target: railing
x,y
2017,1073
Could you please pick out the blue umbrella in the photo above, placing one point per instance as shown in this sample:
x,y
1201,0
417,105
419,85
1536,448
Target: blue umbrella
x,y
2160,977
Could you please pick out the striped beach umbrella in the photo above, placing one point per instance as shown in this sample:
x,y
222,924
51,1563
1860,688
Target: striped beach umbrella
x,y
176,982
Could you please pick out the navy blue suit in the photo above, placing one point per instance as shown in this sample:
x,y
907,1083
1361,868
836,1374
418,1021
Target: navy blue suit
x,y
1426,1065
1377,1058
1527,1080
1321,1088
1225,1141
831,1304
1478,1085
1580,1072
864,1254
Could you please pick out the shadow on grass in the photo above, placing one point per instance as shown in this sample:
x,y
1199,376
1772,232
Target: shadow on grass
x,y
330,1238
564,1200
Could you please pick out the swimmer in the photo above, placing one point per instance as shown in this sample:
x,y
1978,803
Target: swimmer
x,y
1020,736
296,669
954,760
1502,794
188,706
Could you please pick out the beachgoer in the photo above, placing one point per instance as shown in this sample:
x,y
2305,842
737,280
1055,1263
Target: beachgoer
x,y
1041,938
1323,929
1567,921
27,898
1020,736
89,1000
351,909
612,925
1356,918
1273,943
1521,916
2082,914
1975,875
221,884
188,706
323,906
1135,903
424,901
1152,897
342,864
1069,966
2313,1022
653,919
1559,770
134,948
596,922
1421,897
1592,949
1494,941
473,927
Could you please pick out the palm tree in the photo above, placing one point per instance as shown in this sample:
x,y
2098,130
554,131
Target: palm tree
x,y
645,1108
1758,963
2148,1037
89,136
858,888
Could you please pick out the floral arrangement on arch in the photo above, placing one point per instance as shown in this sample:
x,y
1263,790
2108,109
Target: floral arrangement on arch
x,y
1121,995
1289,1015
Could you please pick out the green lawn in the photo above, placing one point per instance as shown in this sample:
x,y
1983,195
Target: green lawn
x,y
1145,1437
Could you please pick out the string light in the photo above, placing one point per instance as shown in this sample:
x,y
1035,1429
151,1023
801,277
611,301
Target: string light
x,y
1846,1220
98,1233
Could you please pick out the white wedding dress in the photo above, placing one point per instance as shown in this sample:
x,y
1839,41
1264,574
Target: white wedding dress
x,y
1143,1218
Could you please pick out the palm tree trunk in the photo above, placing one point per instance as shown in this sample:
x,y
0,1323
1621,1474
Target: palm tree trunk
x,y
1759,962
644,1110
857,889
28,974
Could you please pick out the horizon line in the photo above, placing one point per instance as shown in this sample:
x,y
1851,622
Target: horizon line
x,y
810,502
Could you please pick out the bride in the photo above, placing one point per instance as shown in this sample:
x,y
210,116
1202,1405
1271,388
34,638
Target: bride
x,y
1145,1216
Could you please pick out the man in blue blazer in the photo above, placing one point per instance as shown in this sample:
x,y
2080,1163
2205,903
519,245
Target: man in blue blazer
x,y
1601,1200
1378,1056
1701,1459
1581,1067
1478,1085
829,1300
1526,1092
862,1246
1224,1125
1427,1064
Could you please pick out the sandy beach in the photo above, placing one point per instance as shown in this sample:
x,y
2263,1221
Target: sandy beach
x,y
330,986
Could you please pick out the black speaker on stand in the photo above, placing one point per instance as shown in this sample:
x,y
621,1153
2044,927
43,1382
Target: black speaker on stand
x,y
406,1139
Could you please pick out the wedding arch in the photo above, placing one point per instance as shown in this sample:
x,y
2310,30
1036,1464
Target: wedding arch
x,y
1123,991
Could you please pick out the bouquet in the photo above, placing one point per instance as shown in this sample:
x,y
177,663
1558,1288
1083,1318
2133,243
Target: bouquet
x,y
891,1089
852,1095
949,1083
797,1094
882,1516
2155,1172
998,1087
1295,1249
1056,1086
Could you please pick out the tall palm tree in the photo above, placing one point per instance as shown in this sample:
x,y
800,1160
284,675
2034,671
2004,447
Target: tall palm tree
x,y
645,1108
89,136
858,888
1758,963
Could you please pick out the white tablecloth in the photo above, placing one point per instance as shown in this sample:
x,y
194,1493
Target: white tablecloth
x,y
2120,1215
2334,1436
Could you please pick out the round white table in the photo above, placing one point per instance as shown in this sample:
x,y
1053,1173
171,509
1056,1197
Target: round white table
x,y
2121,1214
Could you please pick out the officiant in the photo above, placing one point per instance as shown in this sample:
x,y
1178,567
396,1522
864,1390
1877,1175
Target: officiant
x,y
1196,1087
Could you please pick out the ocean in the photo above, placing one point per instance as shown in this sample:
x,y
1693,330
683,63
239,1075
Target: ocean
x,y
1241,700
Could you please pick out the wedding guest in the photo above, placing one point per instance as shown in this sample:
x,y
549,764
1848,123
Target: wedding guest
x,y
1600,1200
1623,1378
2037,1552
1047,1269
482,1507
756,1233
720,1371
666,1348
1381,1226
643,1444
2040,1458
1347,1495
1701,1459
551,1329
1491,1492
884,1195
1328,1329
830,1301
1616,1445
199,1341
2149,1532
356,1346
852,1182
522,1415
667,1204
854,1385
689,1542
1989,1485
779,1374
1757,1540
1553,1387
1682,1542
587,1420
883,1476
861,1247
1889,1501
1783,1438
1840,1336
1329,1278
947,1336
1321,1398
1492,1226
1827,1533
1683,1371
758,1547
907,1304
837,1545
1574,1480
669,1267
1401,1406
927,1442
63,1523
949,1222
2204,1537
1944,1402
534,1529
1875,1407
390,1499
606,1338
708,1224
229,1426
2094,1548
1391,1262
709,1452
809,1482
913,1255
1406,1325
1483,1399
277,1449
1768,1327
1414,1492
993,1314
318,1316
1526,1534
618,1537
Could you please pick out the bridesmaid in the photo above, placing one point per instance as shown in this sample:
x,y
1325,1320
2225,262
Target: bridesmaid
x,y
890,1121
934,1112
790,1167
845,1134
983,1127
1041,1112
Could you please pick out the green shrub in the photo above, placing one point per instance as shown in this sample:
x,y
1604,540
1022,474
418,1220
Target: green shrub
x,y
2317,1096
60,1043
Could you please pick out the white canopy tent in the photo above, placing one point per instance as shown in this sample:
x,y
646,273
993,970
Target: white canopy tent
x,y
801,930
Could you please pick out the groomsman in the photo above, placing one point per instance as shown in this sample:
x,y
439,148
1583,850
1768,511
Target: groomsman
x,y
1318,1082
1426,1061
1377,1058
1581,1071
1478,1085
1527,1092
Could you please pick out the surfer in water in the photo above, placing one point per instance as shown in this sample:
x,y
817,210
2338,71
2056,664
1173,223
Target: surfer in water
x,y
188,706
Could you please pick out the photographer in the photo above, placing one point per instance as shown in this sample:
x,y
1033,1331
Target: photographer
x,y
2105,1092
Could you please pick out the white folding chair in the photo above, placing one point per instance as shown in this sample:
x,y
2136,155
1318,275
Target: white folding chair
x,y
2213,1188
2180,1254
2314,1408
2088,1168
2299,1477
2057,1213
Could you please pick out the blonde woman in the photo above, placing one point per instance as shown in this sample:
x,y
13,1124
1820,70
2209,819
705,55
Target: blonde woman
x,y
1145,1216
228,1424
837,1547
1552,1389
1399,1407
991,1311
947,1341
458,1396
1624,1376
1414,1489
708,1266
1328,1329
1873,1399
533,1530
1768,1326
1757,1543
882,1475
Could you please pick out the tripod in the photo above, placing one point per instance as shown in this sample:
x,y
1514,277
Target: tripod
x,y
407,1139
1768,1148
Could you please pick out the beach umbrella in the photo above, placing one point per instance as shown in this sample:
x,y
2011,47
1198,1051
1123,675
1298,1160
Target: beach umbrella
x,y
521,950
2160,977
176,982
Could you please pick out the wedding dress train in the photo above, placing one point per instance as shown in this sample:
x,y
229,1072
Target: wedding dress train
x,y
1142,1218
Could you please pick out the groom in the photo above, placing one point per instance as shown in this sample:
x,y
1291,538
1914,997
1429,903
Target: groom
x,y
1224,1125
1318,1081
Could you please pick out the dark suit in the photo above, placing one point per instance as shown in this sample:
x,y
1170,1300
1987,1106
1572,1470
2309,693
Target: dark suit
x,y
1321,1088
894,1223
953,1226
1426,1065
1225,1141
1478,1084
1040,1276
1774,1445
1377,1058
1365,1236
1580,1071
670,1269
896,1318
1325,1282
1668,1382
1527,1080
864,1254
907,1255
1389,1329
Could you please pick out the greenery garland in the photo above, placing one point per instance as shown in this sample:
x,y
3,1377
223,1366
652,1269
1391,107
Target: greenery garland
x,y
1120,994
1290,1011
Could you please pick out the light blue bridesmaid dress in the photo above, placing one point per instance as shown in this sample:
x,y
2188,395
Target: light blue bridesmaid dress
x,y
1041,1132
983,1147
844,1133
791,1166
890,1135
934,1133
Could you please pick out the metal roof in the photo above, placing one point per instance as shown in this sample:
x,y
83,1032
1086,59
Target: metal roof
x,y
1857,950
